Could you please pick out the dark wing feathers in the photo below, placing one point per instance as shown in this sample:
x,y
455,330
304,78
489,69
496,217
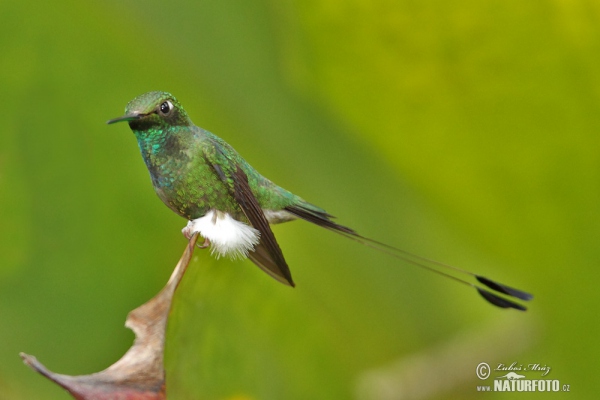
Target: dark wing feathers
x,y
267,254
262,257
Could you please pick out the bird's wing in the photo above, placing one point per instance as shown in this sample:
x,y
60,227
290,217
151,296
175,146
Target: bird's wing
x,y
267,254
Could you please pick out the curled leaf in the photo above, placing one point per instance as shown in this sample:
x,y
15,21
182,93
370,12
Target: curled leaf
x,y
139,374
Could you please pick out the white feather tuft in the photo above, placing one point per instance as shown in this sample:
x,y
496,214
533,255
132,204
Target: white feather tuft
x,y
227,236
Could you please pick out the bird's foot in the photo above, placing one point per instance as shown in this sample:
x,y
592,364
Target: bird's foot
x,y
189,231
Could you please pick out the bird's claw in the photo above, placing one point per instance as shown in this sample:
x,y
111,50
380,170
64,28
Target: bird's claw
x,y
188,232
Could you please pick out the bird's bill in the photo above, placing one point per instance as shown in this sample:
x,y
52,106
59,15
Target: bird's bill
x,y
128,117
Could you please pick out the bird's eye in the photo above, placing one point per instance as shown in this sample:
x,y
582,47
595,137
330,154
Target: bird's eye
x,y
166,107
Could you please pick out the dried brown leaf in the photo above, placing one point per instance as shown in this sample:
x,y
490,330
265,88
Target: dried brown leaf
x,y
139,374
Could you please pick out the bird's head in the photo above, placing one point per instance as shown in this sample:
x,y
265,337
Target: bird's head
x,y
154,110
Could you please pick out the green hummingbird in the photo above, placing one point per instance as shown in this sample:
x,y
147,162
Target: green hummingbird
x,y
203,179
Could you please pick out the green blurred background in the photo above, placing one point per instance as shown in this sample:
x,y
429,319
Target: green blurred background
x,y
463,131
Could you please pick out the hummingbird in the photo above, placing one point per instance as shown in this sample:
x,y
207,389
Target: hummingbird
x,y
231,205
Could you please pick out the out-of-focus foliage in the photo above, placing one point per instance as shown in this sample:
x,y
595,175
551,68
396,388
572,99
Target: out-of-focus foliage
x,y
465,131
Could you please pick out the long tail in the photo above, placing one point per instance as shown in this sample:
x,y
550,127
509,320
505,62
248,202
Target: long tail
x,y
323,219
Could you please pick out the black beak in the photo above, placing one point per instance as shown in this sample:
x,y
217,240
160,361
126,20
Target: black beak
x,y
128,117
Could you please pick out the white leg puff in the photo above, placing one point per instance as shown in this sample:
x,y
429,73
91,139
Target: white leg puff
x,y
227,236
